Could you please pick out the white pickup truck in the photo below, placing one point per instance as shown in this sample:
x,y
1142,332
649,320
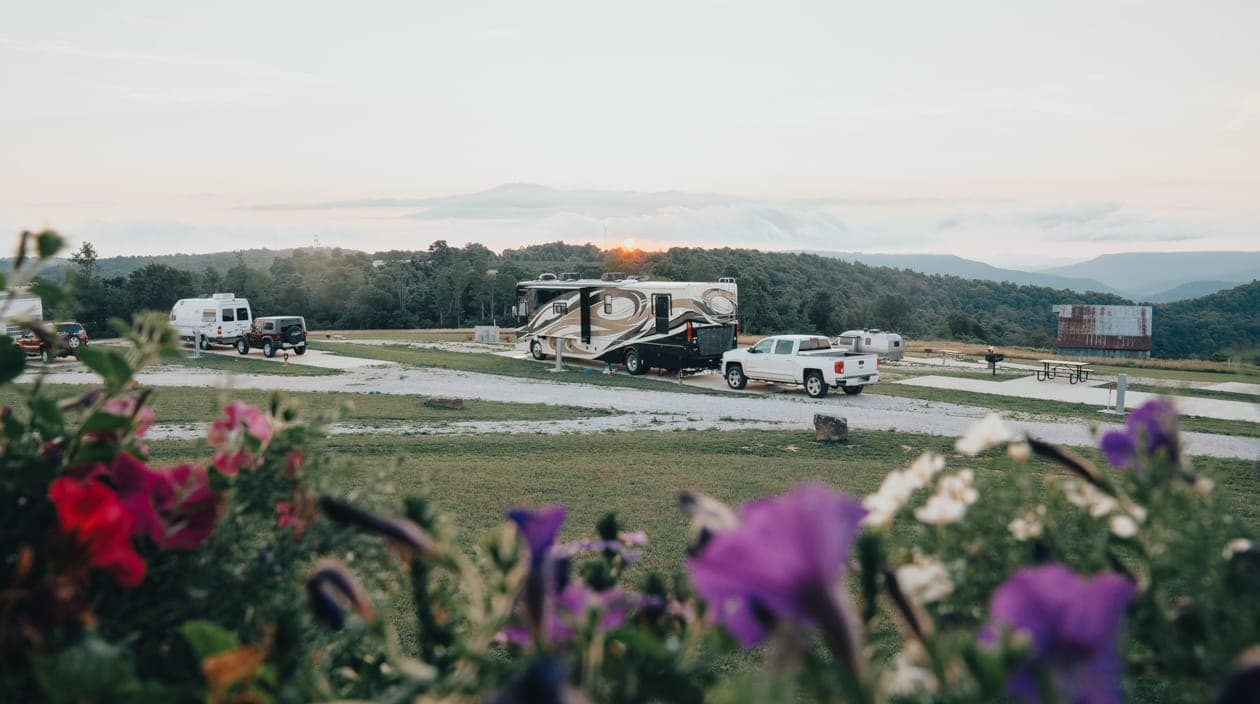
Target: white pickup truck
x,y
801,359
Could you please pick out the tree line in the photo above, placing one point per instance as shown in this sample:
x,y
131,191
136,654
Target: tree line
x,y
444,286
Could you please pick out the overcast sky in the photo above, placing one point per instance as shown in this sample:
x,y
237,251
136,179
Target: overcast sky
x,y
995,130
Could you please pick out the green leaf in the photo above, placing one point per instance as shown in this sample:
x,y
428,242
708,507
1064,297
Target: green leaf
x,y
110,364
49,291
12,359
48,243
87,671
45,412
208,638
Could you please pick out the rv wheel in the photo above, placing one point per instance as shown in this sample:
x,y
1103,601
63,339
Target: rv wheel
x,y
205,342
853,390
814,385
242,347
535,349
735,377
634,362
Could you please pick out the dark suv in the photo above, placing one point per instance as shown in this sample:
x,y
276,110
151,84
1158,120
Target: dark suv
x,y
273,333
70,337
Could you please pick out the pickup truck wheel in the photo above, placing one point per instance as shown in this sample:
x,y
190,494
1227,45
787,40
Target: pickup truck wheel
x,y
46,356
242,347
268,350
814,385
735,377
299,350
536,351
853,390
634,362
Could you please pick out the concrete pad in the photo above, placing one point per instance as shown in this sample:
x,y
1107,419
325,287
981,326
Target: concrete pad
x,y
1101,396
1236,387
312,358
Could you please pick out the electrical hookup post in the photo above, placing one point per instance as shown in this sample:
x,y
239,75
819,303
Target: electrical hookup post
x,y
559,356
1118,386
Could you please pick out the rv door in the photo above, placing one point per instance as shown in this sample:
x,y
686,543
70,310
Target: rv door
x,y
661,303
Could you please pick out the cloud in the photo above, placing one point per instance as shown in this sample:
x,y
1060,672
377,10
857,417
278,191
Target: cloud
x,y
1094,214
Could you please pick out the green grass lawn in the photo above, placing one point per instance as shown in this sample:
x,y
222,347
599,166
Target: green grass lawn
x,y
174,404
473,479
242,365
400,335
494,364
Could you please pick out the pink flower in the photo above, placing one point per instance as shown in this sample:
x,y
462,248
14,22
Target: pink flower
x,y
126,407
240,436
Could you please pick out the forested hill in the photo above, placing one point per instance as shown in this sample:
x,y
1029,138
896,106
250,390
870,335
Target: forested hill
x,y
445,286
1226,323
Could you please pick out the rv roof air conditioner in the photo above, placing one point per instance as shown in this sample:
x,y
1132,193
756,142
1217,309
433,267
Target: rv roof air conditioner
x,y
612,276
570,276
547,277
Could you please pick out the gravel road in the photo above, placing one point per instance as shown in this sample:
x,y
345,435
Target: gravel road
x,y
644,409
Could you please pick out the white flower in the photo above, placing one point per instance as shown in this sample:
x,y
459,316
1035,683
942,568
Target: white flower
x,y
940,510
908,675
928,464
958,488
1028,525
985,434
925,580
1234,547
1019,451
897,487
1124,526
1087,497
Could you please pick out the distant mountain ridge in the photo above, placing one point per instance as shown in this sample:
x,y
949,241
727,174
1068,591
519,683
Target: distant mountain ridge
x,y
952,265
1144,275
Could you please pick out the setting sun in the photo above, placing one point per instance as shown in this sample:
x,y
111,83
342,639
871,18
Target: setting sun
x,y
628,243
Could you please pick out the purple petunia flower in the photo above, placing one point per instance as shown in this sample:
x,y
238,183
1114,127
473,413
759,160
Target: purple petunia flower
x,y
573,605
784,560
1072,623
1149,430
539,528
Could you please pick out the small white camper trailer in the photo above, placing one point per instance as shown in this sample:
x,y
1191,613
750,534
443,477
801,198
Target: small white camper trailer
x,y
673,325
217,319
22,306
888,345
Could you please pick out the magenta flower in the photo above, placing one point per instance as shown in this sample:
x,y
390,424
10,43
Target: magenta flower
x,y
1149,430
174,507
1072,624
239,437
785,560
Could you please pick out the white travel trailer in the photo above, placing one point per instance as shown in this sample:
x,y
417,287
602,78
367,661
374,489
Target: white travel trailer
x,y
218,319
673,325
888,345
23,306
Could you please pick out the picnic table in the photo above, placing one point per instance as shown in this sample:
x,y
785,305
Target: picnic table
x,y
1075,370
950,354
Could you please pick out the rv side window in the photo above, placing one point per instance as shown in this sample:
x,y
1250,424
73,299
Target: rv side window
x,y
783,347
848,341
896,343
607,305
868,340
242,314
207,315
560,307
229,315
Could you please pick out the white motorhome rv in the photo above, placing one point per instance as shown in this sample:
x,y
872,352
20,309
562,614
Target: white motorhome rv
x,y
217,319
888,345
23,306
673,325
